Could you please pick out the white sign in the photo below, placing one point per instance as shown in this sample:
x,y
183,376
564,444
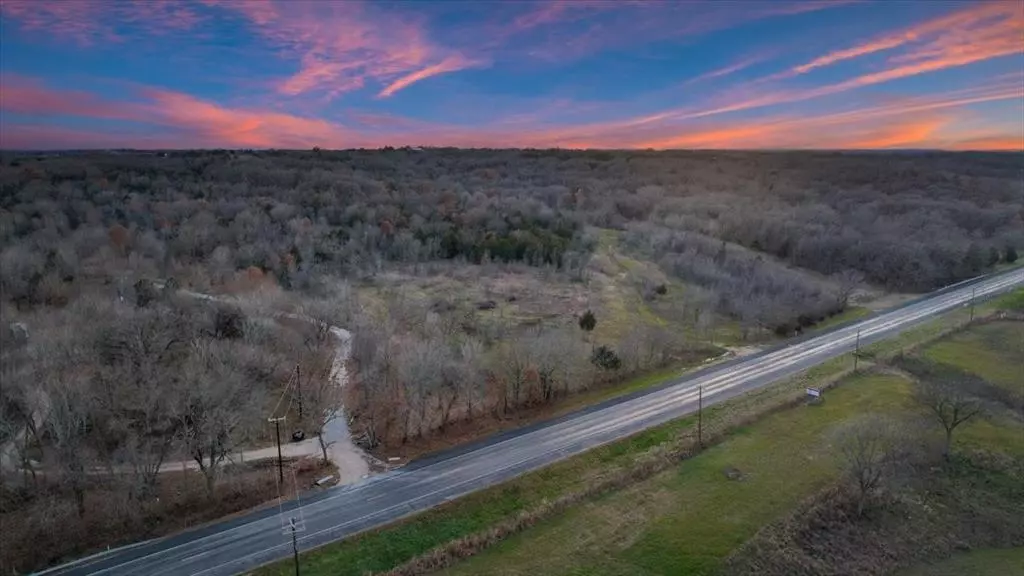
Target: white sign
x,y
814,392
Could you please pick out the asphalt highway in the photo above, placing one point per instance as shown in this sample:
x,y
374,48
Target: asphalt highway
x,y
241,544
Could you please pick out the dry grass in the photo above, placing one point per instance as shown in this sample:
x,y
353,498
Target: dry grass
x,y
971,502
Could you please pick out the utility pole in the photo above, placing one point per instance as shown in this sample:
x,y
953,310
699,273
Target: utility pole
x,y
280,460
298,388
973,291
295,544
700,416
856,351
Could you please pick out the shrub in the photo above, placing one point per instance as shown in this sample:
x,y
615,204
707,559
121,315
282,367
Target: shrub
x,y
605,358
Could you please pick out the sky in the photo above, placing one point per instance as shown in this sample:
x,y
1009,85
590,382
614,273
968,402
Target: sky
x,y
760,74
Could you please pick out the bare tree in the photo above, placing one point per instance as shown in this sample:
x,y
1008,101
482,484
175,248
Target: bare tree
x,y
214,405
471,377
421,369
869,447
134,387
22,407
846,282
513,365
374,354
950,403
321,377
66,426
20,416
548,354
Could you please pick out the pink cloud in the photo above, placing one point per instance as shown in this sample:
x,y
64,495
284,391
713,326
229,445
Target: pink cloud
x,y
166,119
343,46
990,28
996,35
242,128
730,69
25,95
191,118
636,22
449,64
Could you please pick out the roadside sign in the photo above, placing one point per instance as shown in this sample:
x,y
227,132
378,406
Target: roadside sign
x,y
814,392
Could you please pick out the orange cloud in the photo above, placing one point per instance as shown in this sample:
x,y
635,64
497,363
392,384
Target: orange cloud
x,y
165,118
193,119
994,143
905,134
243,128
990,28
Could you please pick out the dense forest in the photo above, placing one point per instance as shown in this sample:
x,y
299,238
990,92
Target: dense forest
x,y
131,373
906,221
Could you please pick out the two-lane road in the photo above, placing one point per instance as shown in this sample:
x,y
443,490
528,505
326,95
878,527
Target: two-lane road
x,y
245,543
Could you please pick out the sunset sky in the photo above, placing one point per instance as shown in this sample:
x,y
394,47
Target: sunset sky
x,y
572,74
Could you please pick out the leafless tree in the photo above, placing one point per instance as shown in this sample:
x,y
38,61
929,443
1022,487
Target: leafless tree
x,y
548,353
66,425
214,406
374,354
513,365
869,446
321,377
134,389
21,402
949,403
421,370
471,375
847,281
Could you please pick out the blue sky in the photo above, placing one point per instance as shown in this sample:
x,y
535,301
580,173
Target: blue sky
x,y
574,74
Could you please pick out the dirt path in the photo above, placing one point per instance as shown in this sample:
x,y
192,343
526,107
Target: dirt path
x,y
350,460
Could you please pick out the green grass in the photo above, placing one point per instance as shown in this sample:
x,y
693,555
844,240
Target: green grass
x,y
948,321
908,339
848,315
994,351
989,562
686,520
1011,301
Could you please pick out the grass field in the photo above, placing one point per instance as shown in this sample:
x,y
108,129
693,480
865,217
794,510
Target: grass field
x,y
990,562
682,521
686,520
994,351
